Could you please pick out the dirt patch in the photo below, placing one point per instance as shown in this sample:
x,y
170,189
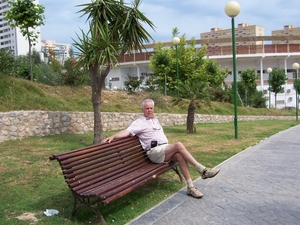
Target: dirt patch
x,y
28,216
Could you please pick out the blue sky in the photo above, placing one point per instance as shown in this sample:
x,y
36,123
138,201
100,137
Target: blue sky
x,y
192,17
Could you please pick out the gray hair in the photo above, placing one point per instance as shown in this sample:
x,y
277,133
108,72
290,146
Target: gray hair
x,y
147,100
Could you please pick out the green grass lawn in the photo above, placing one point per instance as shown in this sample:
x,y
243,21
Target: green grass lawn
x,y
31,183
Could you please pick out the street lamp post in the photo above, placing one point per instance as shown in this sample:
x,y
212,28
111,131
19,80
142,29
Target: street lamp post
x,y
232,9
176,41
296,67
269,70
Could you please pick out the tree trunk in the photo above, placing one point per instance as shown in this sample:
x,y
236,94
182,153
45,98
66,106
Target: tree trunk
x,y
246,95
97,81
29,56
191,117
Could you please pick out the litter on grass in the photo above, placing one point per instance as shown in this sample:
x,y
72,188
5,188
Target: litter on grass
x,y
51,212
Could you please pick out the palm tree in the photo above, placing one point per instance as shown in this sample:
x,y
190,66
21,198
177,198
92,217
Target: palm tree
x,y
115,29
196,91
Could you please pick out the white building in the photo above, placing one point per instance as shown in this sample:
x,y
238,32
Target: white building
x,y
11,38
60,50
259,57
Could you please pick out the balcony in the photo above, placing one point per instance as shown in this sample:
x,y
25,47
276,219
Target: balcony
x,y
215,47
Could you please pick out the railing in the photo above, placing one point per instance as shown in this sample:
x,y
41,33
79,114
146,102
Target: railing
x,y
225,50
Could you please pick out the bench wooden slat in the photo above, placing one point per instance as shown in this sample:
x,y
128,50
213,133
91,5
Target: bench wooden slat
x,y
102,153
127,177
115,194
96,147
90,164
109,175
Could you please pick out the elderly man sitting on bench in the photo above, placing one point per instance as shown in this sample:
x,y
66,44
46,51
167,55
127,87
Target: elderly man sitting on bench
x,y
151,135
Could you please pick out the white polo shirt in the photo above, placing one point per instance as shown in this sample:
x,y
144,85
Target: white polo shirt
x,y
147,130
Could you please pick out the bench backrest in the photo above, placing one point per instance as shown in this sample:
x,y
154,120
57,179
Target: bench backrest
x,y
99,162
110,170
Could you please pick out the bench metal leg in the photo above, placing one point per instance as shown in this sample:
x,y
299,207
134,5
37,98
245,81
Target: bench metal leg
x,y
178,173
87,202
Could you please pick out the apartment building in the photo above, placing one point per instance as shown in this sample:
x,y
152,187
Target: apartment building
x,y
242,30
288,30
59,50
11,38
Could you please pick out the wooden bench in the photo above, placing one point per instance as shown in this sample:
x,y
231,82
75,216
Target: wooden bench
x,y
102,173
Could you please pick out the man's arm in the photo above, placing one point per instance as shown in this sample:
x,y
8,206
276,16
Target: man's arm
x,y
121,134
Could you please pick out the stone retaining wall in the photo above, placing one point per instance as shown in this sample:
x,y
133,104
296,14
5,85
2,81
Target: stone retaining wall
x,y
19,124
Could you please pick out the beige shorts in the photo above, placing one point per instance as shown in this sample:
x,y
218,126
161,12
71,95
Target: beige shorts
x,y
157,154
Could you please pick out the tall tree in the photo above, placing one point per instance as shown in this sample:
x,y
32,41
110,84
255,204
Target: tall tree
x,y
248,78
277,79
215,75
249,95
27,16
197,74
163,63
114,29
194,75
160,64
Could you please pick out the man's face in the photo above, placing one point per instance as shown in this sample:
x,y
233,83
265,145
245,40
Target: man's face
x,y
148,110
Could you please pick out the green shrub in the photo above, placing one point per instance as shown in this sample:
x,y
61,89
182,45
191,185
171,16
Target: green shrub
x,y
6,62
72,76
46,75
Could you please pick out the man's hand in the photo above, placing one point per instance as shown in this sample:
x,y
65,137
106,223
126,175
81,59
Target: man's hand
x,y
108,139
121,134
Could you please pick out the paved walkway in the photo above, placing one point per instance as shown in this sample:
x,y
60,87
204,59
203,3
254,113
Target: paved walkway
x,y
261,185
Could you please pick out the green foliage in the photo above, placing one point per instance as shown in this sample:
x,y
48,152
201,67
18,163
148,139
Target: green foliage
x,y
297,85
36,58
196,91
132,83
151,85
27,16
277,79
119,27
55,65
215,75
192,64
22,67
6,62
73,76
16,94
49,74
195,74
258,100
247,90
114,29
247,86
220,94
46,75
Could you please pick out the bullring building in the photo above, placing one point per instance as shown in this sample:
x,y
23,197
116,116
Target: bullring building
x,y
253,50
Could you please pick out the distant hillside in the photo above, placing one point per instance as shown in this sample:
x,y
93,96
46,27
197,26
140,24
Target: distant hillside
x,y
20,94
